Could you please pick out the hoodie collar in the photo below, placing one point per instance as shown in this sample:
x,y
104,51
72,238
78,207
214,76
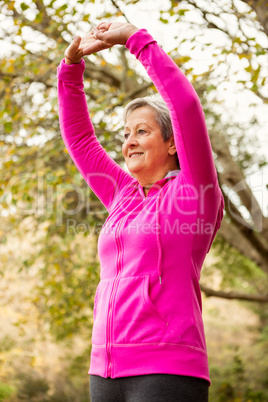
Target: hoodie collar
x,y
160,183
172,173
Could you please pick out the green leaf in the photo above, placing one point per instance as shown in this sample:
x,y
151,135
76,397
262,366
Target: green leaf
x,y
183,11
8,127
24,6
211,88
164,20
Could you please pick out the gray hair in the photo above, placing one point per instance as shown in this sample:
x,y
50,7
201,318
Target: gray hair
x,y
162,116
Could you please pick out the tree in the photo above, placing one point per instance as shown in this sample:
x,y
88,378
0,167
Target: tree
x,y
39,180
249,237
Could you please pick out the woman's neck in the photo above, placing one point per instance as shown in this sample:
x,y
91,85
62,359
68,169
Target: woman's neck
x,y
147,186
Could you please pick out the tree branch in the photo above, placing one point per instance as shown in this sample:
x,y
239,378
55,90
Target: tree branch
x,y
38,26
108,74
119,9
141,89
261,9
103,74
234,295
231,234
257,240
42,9
205,15
233,177
39,79
125,68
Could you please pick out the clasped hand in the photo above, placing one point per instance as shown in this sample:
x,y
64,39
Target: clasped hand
x,y
103,36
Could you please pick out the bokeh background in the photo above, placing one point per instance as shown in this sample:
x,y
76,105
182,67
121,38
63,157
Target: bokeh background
x,y
50,220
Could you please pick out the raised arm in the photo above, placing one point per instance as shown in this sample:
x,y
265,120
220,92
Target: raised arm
x,y
102,174
190,132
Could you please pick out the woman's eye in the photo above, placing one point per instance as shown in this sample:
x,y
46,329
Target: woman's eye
x,y
126,136
141,131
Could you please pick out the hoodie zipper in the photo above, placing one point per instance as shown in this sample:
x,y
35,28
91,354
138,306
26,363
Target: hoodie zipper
x,y
113,292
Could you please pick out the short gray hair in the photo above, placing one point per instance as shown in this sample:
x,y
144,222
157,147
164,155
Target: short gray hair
x,y
162,116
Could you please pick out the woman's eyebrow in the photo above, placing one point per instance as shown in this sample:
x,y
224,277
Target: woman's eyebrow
x,y
144,124
139,124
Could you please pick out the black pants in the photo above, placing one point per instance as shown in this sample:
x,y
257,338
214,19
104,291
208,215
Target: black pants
x,y
149,388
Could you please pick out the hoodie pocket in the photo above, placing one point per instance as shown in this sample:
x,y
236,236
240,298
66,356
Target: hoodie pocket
x,y
135,318
100,312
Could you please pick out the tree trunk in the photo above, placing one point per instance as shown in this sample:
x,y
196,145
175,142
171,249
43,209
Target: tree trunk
x,y
261,9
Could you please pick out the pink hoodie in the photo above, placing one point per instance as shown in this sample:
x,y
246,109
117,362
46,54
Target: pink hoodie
x,y
148,309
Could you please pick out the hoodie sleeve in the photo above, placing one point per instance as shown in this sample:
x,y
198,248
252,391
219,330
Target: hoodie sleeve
x,y
188,121
102,174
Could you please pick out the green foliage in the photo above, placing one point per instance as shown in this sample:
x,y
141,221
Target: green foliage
x,y
7,343
5,392
232,383
236,270
33,387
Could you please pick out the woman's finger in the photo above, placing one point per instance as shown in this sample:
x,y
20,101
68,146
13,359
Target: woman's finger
x,y
75,44
73,48
102,36
103,25
95,47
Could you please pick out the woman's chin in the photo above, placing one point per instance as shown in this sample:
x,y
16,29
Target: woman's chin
x,y
134,168
134,173
137,175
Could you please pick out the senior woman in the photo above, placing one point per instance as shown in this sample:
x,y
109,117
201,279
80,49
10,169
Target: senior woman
x,y
148,340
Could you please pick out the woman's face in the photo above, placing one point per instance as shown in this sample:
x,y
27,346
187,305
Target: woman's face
x,y
146,154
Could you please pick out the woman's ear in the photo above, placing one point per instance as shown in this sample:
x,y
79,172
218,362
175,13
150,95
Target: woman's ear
x,y
172,148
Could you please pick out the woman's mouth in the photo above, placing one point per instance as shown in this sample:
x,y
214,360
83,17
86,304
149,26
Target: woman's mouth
x,y
135,154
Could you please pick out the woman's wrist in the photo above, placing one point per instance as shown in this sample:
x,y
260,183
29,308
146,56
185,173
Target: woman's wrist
x,y
69,62
132,29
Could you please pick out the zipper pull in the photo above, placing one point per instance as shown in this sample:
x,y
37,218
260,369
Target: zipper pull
x,y
160,280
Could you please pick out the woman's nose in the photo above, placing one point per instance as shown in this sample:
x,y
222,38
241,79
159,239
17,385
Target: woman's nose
x,y
132,141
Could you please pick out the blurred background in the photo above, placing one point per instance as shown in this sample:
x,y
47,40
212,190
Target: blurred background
x,y
50,220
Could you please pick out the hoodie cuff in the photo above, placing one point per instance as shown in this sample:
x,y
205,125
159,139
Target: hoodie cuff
x,y
71,73
138,41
